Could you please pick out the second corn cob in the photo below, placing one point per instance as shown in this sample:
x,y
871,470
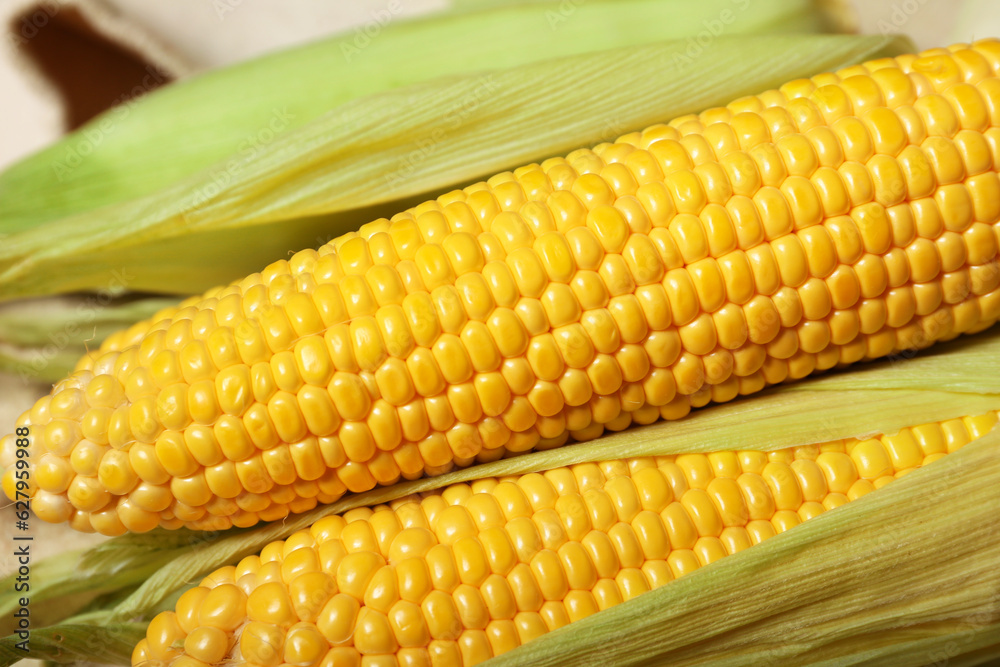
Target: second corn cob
x,y
457,576
837,219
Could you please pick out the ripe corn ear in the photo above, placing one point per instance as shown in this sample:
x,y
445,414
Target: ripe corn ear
x,y
471,571
836,219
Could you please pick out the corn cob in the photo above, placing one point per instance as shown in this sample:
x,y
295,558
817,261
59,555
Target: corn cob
x,y
836,219
459,575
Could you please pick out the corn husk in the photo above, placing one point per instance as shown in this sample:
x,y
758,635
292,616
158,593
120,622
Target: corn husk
x,y
150,142
41,340
836,15
887,579
839,15
340,170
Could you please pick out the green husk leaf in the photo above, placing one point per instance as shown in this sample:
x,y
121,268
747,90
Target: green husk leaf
x,y
832,15
313,183
71,642
41,340
32,364
74,321
797,414
105,568
153,141
61,569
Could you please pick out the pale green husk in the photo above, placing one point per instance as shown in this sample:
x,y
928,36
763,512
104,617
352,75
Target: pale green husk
x,y
342,169
835,15
41,340
148,143
887,579
34,364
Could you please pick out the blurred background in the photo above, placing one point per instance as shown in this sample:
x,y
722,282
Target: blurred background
x,y
62,62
